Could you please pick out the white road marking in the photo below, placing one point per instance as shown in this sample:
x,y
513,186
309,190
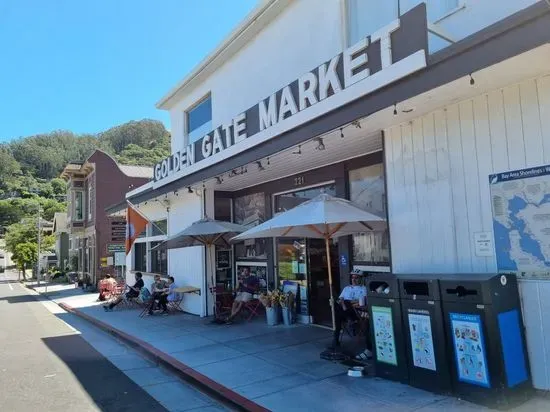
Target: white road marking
x,y
50,376
11,287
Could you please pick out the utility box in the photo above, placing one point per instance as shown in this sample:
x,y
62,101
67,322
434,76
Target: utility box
x,y
424,333
486,339
386,327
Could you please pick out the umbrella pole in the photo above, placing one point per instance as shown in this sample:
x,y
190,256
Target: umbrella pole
x,y
327,245
213,277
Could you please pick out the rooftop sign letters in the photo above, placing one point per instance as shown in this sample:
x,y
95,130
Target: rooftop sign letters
x,y
368,65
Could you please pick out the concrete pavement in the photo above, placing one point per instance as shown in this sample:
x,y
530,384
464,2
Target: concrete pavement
x,y
277,367
55,361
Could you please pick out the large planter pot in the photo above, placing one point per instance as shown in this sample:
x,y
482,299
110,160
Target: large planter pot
x,y
272,316
288,316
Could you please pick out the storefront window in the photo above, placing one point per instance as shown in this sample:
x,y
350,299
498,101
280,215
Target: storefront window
x,y
140,257
288,201
250,211
159,227
79,205
158,259
368,192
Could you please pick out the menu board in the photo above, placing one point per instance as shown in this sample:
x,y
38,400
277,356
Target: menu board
x,y
469,349
384,337
422,345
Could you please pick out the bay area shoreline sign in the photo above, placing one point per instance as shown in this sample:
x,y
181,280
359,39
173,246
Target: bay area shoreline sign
x,y
520,201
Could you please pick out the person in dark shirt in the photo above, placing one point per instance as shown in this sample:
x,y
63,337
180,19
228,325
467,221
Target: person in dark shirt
x,y
131,294
248,285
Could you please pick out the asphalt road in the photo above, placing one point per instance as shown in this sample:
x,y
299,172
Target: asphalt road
x,y
45,365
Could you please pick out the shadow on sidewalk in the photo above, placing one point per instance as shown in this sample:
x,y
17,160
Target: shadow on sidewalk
x,y
108,386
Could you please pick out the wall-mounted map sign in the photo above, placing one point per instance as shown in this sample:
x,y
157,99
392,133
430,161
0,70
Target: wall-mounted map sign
x,y
521,220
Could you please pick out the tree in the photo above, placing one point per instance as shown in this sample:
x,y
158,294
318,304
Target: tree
x,y
25,256
139,156
144,133
9,169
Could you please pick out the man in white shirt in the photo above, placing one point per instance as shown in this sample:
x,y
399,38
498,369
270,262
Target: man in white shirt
x,y
343,308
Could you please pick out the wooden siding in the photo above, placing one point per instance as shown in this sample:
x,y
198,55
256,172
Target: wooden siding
x,y
438,189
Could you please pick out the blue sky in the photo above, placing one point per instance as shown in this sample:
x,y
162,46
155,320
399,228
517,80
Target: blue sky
x,y
87,65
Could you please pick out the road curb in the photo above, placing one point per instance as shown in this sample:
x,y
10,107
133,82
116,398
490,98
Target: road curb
x,y
189,374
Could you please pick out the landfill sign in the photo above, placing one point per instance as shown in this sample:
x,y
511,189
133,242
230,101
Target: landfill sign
x,y
384,337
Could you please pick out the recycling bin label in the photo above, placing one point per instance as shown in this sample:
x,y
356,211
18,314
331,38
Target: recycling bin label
x,y
469,349
422,345
384,338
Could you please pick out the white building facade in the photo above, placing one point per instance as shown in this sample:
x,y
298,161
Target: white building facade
x,y
404,114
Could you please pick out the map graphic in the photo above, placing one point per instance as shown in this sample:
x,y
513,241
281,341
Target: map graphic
x,y
521,219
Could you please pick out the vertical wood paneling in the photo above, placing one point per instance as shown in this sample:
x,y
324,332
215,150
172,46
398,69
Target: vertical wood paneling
x,y
439,194
436,225
533,319
445,207
485,167
514,129
411,212
398,201
471,177
543,94
424,223
389,172
458,190
532,135
499,144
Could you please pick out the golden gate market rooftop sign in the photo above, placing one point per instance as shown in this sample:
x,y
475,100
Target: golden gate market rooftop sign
x,y
377,53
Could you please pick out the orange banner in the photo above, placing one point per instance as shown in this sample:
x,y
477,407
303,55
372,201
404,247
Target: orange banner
x,y
135,224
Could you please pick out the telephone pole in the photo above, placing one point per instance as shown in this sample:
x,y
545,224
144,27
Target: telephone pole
x,y
38,248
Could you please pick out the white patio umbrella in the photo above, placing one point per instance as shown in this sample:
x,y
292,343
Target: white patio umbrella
x,y
209,233
323,217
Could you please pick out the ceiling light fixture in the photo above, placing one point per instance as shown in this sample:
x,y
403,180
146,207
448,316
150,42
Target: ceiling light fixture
x,y
472,81
395,109
299,152
219,180
320,143
189,189
268,163
342,132
260,166
356,123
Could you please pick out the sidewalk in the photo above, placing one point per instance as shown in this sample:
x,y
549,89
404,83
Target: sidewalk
x,y
276,367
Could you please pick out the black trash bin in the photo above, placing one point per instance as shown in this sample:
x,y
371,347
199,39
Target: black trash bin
x,y
386,327
486,339
424,333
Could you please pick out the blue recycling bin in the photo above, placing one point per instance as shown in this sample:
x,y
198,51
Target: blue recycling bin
x,y
424,333
486,339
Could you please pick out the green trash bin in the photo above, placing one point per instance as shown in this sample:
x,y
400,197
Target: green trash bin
x,y
424,333
486,339
386,327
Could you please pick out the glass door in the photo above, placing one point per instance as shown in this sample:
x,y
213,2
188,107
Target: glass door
x,y
302,262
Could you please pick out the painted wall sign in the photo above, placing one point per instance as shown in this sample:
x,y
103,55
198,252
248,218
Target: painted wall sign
x,y
372,59
115,247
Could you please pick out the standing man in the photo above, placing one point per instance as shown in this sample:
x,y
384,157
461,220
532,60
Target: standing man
x,y
343,308
248,285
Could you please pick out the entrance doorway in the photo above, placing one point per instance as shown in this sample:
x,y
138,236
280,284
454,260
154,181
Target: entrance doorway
x,y
303,262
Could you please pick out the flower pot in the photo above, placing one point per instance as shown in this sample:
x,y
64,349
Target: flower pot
x,y
288,316
271,315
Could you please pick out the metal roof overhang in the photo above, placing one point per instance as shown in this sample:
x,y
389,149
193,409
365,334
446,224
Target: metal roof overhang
x,y
516,34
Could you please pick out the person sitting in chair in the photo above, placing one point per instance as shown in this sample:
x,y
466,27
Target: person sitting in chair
x,y
106,287
344,311
168,295
159,291
132,293
248,285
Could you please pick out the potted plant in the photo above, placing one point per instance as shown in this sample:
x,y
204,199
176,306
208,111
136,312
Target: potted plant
x,y
288,307
270,300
